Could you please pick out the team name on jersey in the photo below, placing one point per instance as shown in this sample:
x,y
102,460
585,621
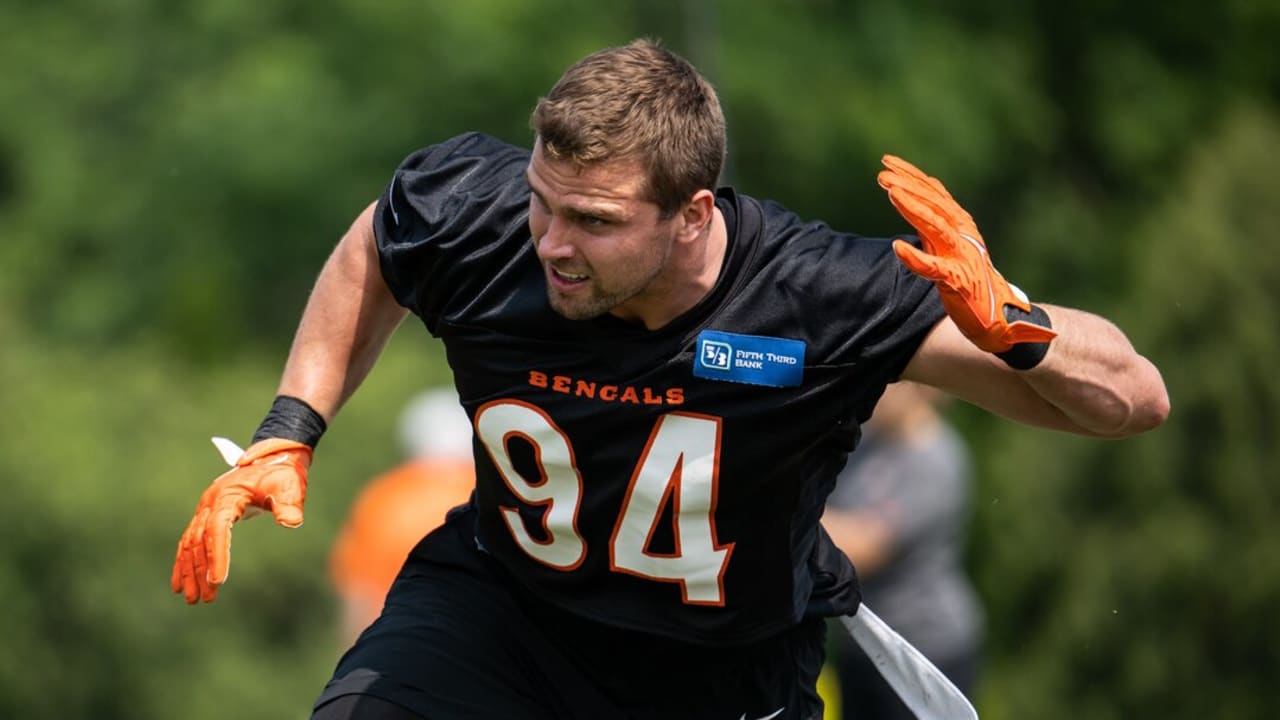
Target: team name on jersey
x,y
604,392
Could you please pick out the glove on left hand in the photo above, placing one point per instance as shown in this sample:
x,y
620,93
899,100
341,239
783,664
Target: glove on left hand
x,y
955,258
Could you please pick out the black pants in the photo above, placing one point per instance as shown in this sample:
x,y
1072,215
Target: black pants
x,y
459,638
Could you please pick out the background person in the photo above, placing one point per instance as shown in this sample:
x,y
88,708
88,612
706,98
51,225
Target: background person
x,y
396,509
900,511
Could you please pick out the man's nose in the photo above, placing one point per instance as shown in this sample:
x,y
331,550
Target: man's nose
x,y
555,242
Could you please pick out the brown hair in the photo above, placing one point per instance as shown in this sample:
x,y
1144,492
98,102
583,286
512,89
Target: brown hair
x,y
637,101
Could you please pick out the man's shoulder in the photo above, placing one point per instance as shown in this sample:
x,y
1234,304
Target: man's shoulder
x,y
806,252
781,229
472,155
479,144
470,168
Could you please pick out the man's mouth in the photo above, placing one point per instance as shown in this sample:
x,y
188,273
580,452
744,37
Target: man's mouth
x,y
567,277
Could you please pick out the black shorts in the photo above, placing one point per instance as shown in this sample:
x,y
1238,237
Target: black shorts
x,y
460,638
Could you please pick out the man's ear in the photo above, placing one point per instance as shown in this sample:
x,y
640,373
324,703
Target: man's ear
x,y
696,214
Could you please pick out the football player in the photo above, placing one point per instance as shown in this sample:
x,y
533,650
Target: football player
x,y
664,377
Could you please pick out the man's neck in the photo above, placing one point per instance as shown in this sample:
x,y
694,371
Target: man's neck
x,y
694,273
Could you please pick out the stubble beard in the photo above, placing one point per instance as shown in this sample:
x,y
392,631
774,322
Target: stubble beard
x,y
602,301
590,307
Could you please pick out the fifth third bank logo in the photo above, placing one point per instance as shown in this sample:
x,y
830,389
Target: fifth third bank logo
x,y
716,355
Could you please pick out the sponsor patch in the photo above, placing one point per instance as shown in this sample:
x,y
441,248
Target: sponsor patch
x,y
751,359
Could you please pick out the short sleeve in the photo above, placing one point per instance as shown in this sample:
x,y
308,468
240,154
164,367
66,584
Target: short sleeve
x,y
447,207
898,307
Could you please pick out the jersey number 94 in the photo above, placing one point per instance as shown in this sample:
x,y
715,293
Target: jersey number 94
x,y
679,466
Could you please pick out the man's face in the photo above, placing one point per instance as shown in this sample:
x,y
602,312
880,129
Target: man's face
x,y
602,245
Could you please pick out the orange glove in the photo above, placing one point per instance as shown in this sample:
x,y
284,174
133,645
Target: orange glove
x,y
270,475
955,258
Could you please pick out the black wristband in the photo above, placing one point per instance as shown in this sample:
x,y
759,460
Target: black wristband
x,y
1025,356
292,419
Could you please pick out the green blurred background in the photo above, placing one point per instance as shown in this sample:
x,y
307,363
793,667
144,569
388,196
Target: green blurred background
x,y
173,175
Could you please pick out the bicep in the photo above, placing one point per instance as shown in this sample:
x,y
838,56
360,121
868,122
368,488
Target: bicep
x,y
348,319
351,296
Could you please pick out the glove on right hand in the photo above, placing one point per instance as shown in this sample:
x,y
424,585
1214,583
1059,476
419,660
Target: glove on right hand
x,y
270,476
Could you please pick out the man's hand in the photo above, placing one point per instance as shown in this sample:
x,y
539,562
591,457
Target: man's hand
x,y
978,299
270,476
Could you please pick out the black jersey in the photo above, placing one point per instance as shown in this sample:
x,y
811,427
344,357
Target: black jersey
x,y
672,480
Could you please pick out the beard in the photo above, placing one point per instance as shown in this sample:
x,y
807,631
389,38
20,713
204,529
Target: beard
x,y
596,300
594,305
601,296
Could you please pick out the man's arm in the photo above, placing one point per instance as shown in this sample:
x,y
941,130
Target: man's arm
x,y
1090,382
348,319
864,535
1048,366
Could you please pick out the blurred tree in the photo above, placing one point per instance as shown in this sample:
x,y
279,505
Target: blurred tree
x,y
1135,579
183,172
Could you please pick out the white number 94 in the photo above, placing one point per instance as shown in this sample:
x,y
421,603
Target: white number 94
x,y
679,465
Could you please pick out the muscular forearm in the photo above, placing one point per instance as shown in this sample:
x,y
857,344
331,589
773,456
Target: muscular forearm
x,y
1091,382
1096,379
348,319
